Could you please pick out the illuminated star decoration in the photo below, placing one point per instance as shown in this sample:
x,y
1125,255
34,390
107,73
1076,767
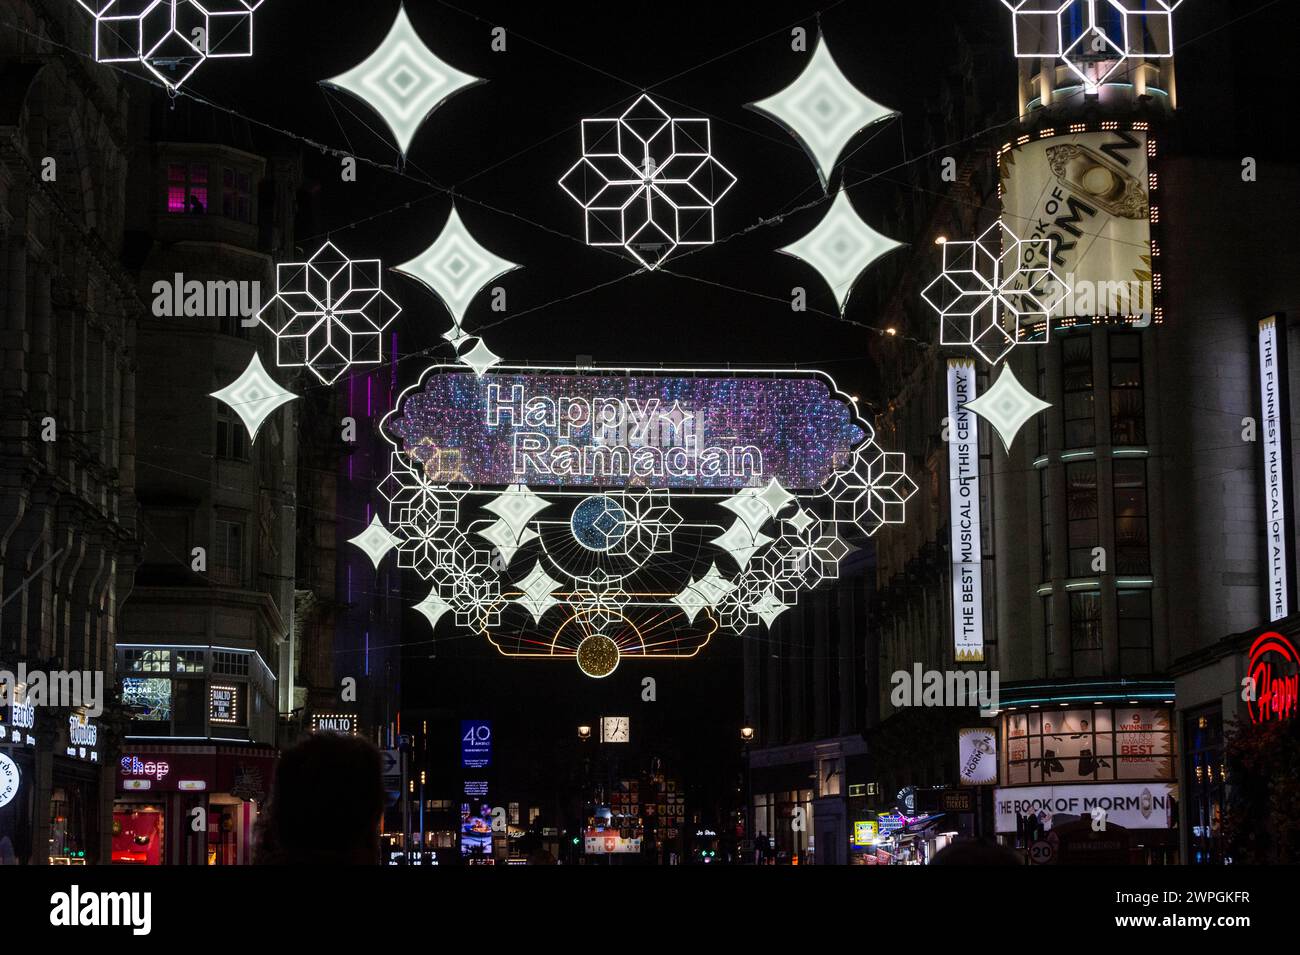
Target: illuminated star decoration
x,y
1093,38
171,38
989,299
433,607
253,396
328,313
403,81
536,592
1007,406
823,110
455,267
841,247
375,541
647,182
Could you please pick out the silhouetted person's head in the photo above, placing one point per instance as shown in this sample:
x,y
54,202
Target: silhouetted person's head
x,y
326,805
971,852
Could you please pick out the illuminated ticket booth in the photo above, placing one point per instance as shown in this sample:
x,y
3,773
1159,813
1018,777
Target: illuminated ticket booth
x,y
1088,772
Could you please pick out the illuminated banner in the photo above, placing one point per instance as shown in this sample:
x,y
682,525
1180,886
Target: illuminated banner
x,y
10,777
1276,458
1090,193
618,429
475,744
977,757
1130,805
964,514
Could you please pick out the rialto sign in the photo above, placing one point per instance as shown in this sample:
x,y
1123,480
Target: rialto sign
x,y
1129,805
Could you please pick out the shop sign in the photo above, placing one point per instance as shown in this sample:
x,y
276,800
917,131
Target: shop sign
x,y
223,704
344,723
10,778
1272,678
865,832
83,737
133,767
1129,805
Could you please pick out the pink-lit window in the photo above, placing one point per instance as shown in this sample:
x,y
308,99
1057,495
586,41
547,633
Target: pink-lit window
x,y
187,188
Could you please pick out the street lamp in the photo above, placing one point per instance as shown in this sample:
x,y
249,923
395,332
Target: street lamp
x,y
747,737
584,732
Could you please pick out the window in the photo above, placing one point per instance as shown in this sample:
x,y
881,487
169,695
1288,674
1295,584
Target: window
x,y
1042,393
1127,404
232,436
229,664
189,661
228,553
235,195
187,187
1078,400
1047,625
1135,631
1045,506
147,661
1085,633
1132,529
189,697
1081,511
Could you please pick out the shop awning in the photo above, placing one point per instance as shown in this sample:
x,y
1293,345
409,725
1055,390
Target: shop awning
x,y
921,826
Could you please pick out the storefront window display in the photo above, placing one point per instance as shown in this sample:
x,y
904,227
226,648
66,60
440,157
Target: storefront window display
x,y
1207,780
138,832
1093,744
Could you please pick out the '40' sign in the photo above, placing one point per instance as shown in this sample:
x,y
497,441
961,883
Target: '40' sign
x,y
1272,679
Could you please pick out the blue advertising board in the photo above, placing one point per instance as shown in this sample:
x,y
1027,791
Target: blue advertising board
x,y
475,744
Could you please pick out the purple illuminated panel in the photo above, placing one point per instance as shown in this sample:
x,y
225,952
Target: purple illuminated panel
x,y
647,429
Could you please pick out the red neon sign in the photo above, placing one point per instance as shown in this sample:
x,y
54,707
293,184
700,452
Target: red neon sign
x,y
1274,669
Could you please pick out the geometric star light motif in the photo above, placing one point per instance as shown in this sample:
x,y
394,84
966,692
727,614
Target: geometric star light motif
x,y
647,182
823,110
989,299
841,247
329,313
171,38
1007,406
403,80
375,541
455,267
254,396
1093,38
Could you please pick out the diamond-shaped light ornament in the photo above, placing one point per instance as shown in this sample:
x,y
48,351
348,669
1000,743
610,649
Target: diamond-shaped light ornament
x,y
403,81
996,292
823,109
708,591
329,313
455,267
537,590
480,358
841,247
375,541
1007,406
740,542
253,396
171,38
433,607
647,182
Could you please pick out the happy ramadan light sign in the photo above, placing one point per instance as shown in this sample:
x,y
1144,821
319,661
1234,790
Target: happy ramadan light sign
x,y
615,429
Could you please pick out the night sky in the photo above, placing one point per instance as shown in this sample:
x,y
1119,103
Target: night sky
x,y
501,146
